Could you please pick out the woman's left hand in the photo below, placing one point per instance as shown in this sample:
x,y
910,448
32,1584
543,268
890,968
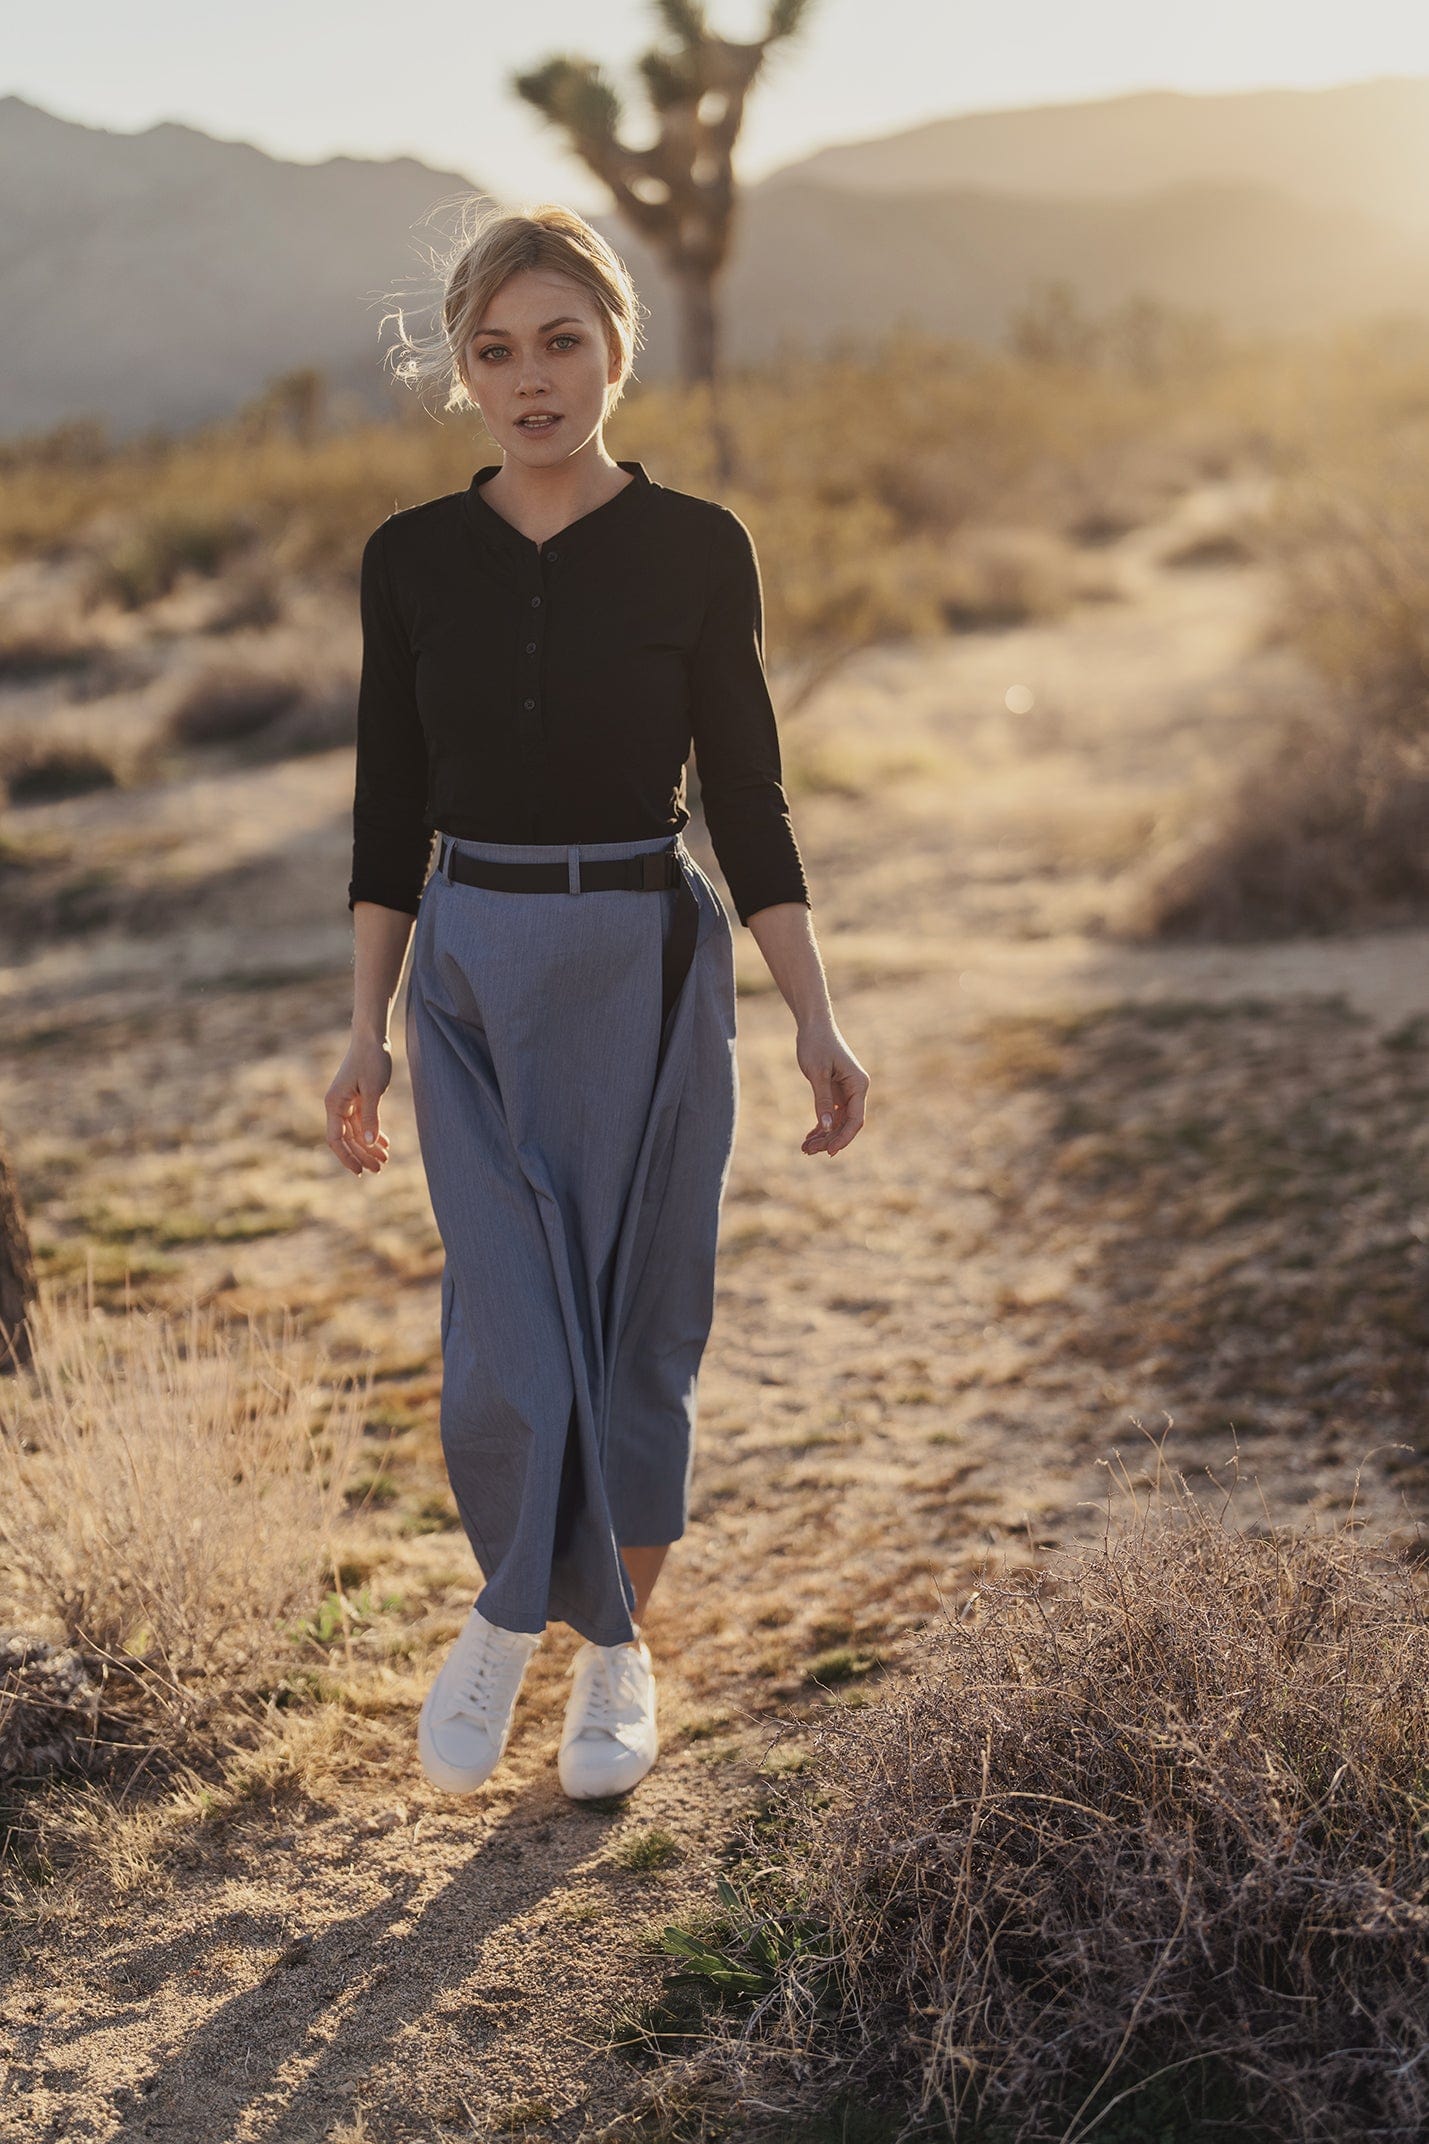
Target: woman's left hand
x,y
840,1086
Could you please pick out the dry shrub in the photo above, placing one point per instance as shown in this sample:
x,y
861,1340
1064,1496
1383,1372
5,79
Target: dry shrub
x,y
169,1490
1328,822
42,644
1354,553
222,703
245,601
998,577
147,559
1157,1810
38,769
266,709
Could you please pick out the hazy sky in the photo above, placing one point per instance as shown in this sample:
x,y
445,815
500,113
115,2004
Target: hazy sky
x,y
308,78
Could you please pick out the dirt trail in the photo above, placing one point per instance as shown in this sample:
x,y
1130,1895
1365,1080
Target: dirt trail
x,y
1101,1184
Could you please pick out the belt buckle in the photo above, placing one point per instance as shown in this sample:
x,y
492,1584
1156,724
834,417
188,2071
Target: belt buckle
x,y
657,871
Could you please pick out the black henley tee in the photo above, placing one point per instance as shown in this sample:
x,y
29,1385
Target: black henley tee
x,y
522,692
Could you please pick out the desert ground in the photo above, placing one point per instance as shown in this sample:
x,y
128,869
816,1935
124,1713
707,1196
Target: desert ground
x,y
1111,1194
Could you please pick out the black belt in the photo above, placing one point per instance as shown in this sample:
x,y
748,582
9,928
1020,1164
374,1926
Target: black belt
x,y
656,871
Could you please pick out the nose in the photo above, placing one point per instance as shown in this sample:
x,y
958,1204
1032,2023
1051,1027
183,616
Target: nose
x,y
531,379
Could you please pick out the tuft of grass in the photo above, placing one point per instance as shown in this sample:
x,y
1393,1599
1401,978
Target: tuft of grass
x,y
522,2115
372,1492
710,1725
842,1664
728,1955
341,1612
653,1849
432,1515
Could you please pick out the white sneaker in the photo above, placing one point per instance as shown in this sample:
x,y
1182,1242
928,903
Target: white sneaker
x,y
464,1724
609,1740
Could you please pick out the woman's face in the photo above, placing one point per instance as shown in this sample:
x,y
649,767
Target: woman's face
x,y
540,347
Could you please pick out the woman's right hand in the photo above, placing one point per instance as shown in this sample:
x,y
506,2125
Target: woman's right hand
x,y
353,1130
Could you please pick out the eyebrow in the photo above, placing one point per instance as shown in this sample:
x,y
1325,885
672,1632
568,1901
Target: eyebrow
x,y
544,329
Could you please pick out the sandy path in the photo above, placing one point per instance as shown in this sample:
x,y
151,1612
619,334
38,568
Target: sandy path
x,y
1067,1214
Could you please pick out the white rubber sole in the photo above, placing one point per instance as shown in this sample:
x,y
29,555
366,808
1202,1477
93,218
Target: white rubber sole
x,y
618,1778
453,1779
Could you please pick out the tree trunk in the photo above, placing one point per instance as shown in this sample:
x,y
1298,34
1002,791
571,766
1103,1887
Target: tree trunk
x,y
699,358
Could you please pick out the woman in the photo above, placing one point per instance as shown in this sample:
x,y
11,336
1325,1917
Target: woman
x,y
541,652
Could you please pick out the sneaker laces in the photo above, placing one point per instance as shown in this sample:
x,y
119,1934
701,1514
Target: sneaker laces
x,y
612,1681
487,1679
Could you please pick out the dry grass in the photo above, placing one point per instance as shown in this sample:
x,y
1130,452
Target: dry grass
x,y
932,485
154,549
1157,1812
1327,819
169,1487
854,474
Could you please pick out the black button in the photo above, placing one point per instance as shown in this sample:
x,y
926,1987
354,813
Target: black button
x,y
550,554
530,703
534,601
530,647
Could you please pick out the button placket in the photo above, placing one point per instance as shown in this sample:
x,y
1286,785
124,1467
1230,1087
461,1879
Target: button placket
x,y
528,713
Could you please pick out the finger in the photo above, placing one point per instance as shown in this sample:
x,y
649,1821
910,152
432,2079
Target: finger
x,y
851,1126
824,1100
365,1149
339,1148
362,1119
337,1137
854,1081
340,1106
367,1154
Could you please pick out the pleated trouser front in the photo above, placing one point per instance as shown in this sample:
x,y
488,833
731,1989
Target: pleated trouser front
x,y
576,1178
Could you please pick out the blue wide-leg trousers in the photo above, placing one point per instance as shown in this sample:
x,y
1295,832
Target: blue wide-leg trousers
x,y
576,1176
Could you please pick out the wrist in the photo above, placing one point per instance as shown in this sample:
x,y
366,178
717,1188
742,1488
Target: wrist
x,y
817,1017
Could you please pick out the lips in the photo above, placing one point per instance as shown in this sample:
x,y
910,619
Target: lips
x,y
546,422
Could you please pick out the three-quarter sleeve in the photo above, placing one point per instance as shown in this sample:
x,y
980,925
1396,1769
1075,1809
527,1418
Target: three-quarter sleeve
x,y
391,825
735,736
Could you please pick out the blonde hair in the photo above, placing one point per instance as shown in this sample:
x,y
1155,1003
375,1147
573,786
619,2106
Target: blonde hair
x,y
493,243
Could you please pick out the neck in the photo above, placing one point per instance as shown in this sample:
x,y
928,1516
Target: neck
x,y
541,500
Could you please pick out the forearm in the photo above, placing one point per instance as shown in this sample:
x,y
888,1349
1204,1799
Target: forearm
x,y
784,933
380,940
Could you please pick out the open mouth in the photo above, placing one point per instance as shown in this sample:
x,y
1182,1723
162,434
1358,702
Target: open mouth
x,y
545,422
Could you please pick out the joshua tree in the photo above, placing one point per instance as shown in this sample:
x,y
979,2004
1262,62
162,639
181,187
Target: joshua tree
x,y
679,193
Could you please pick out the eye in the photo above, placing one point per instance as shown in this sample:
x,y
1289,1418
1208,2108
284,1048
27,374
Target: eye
x,y
565,337
484,354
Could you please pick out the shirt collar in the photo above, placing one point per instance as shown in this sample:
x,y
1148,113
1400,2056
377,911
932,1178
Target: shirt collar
x,y
484,520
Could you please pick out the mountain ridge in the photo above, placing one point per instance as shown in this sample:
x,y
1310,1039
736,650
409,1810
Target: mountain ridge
x,y
164,276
